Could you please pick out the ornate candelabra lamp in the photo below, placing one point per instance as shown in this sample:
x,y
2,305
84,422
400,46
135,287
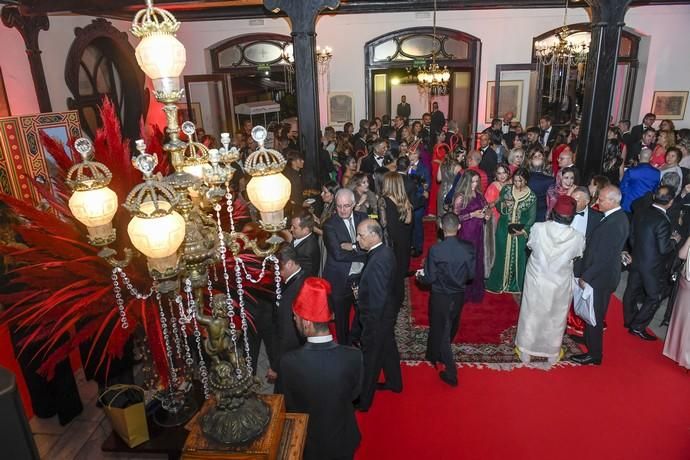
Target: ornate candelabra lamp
x,y
176,224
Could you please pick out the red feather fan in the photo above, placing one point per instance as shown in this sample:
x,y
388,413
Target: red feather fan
x,y
59,288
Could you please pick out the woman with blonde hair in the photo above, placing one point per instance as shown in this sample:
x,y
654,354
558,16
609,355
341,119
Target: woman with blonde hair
x,y
365,199
665,141
395,215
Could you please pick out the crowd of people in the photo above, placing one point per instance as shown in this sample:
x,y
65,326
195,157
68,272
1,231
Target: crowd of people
x,y
515,215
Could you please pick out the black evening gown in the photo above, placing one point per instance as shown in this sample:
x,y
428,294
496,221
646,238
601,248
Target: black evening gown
x,y
399,238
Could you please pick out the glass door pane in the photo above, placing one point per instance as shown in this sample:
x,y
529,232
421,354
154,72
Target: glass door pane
x,y
461,95
380,95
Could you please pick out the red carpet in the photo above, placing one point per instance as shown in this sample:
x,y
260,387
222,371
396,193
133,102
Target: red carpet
x,y
480,323
634,406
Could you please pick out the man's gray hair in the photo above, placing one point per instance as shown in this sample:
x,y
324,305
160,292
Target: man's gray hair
x,y
583,190
645,155
375,228
613,193
345,193
449,223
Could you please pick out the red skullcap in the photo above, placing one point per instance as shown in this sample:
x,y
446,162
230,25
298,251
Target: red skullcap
x,y
565,206
312,300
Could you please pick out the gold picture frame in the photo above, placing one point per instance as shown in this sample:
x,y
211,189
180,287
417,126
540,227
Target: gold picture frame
x,y
670,105
510,99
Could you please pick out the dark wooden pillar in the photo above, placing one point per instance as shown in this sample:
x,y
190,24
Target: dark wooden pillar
x,y
607,23
302,14
29,27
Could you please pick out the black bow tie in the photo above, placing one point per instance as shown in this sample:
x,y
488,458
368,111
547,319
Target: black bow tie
x,y
581,213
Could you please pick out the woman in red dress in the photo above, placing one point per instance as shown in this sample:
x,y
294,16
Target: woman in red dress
x,y
441,149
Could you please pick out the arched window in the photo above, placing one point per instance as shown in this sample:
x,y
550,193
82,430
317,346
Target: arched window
x,y
101,62
391,60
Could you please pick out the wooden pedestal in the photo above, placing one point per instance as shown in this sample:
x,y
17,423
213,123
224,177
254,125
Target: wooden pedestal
x,y
282,438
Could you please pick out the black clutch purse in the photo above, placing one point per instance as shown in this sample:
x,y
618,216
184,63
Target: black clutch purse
x,y
515,228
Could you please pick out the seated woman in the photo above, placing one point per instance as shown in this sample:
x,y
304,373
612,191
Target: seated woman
x,y
565,185
518,207
547,292
471,207
677,344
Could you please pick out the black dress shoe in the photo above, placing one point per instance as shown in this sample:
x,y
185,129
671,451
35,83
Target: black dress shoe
x,y
644,335
585,358
450,381
386,387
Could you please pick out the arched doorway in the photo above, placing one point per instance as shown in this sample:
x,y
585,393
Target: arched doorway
x,y
259,69
391,60
624,89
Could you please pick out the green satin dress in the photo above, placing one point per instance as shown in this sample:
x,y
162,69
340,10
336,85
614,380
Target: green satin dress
x,y
508,272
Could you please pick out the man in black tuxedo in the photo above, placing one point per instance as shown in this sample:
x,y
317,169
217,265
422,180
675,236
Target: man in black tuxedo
x,y
565,160
377,314
293,171
403,110
374,160
448,268
638,130
305,242
652,242
585,220
344,262
438,121
601,268
322,379
285,335
646,140
539,182
489,157
548,134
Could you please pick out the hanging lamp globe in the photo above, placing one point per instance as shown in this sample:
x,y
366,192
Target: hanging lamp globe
x,y
92,203
268,189
160,54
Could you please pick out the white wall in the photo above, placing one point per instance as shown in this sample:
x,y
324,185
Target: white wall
x,y
506,37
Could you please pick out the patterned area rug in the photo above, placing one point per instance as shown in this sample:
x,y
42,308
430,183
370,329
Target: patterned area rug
x,y
412,338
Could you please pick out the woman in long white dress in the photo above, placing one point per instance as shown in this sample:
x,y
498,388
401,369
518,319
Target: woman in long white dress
x,y
677,345
547,290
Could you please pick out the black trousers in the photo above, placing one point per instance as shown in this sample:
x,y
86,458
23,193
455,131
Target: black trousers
x,y
262,311
642,288
594,336
444,321
343,300
380,352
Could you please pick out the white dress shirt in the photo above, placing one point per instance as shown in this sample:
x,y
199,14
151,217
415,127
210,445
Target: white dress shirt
x,y
320,339
299,240
579,222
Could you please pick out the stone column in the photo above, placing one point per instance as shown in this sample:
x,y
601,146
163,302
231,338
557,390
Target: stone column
x,y
302,14
607,23
29,28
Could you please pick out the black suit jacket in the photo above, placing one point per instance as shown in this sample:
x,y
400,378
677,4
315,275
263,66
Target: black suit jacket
x,y
636,134
403,110
376,290
322,380
438,121
296,186
489,163
539,183
602,258
338,261
650,238
309,255
593,220
449,266
286,337
552,137
369,164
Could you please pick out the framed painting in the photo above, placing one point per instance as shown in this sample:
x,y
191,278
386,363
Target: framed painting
x,y
4,103
510,99
669,104
341,109
23,158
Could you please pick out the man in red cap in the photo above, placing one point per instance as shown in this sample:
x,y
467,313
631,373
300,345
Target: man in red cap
x,y
322,378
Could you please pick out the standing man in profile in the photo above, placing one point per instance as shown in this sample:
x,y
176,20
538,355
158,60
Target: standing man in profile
x,y
448,268
305,242
652,240
377,314
438,121
403,109
601,268
344,262
322,378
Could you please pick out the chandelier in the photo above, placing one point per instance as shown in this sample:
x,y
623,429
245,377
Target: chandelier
x,y
564,54
433,79
177,224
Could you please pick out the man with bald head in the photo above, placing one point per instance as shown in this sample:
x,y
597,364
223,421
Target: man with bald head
x,y
601,268
377,314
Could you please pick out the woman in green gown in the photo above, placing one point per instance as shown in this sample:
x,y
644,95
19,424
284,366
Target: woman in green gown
x,y
517,204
